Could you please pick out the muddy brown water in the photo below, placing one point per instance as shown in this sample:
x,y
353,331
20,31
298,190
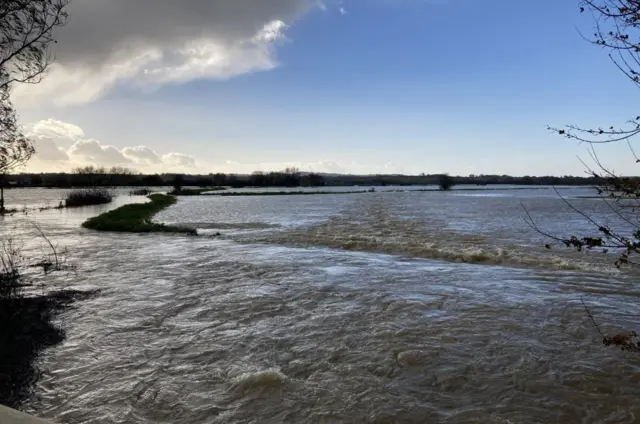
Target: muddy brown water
x,y
364,308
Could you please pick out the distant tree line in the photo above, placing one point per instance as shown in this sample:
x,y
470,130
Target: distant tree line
x,y
90,176
438,179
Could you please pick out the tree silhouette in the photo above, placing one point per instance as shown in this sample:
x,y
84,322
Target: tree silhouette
x,y
617,25
15,148
446,182
26,33
617,28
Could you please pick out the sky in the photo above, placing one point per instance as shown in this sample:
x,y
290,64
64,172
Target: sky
x,y
353,86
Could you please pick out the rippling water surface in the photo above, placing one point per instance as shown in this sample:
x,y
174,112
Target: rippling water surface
x,y
365,308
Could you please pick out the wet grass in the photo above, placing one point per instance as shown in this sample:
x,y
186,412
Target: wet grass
x,y
136,218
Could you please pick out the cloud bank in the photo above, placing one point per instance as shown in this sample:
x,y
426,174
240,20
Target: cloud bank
x,y
149,43
49,137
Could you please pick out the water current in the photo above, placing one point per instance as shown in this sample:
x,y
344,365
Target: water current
x,y
385,307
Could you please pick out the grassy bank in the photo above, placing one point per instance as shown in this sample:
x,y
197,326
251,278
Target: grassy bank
x,y
136,218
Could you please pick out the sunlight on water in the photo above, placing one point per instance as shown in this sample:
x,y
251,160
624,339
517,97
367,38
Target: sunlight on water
x,y
377,307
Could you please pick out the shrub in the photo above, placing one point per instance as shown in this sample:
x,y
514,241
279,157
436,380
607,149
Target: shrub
x,y
446,182
88,197
27,323
140,192
10,279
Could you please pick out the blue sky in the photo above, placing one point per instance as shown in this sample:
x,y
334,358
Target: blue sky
x,y
458,86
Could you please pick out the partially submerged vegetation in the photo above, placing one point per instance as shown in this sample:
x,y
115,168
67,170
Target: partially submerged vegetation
x,y
178,191
28,329
371,190
88,197
283,193
140,192
446,182
27,320
136,218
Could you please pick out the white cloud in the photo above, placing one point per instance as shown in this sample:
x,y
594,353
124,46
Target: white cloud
x,y
94,152
55,129
149,43
47,150
142,155
83,151
179,160
333,167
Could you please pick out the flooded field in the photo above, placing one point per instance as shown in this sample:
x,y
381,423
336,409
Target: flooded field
x,y
385,307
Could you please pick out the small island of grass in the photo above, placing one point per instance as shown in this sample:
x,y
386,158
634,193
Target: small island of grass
x,y
136,218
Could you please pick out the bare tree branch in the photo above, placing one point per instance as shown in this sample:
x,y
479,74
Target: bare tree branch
x,y
26,34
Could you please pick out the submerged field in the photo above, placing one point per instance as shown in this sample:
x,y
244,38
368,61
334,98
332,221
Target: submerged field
x,y
374,307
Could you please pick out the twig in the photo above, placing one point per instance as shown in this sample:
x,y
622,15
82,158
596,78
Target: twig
x,y
593,319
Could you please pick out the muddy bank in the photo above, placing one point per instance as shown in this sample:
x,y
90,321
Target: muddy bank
x,y
27,329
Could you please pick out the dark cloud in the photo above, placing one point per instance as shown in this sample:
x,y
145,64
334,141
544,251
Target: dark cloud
x,y
154,42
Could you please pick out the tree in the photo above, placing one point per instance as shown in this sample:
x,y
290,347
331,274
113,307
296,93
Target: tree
x,y
121,170
178,182
617,28
445,181
219,179
15,148
89,170
26,33
89,175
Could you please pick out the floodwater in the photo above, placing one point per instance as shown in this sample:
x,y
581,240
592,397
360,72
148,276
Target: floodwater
x,y
386,307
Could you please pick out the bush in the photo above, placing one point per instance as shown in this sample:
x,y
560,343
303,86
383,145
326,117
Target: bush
x,y
446,182
10,279
140,192
94,196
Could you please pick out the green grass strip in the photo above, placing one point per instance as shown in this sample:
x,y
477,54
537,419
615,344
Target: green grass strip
x,y
136,218
195,191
